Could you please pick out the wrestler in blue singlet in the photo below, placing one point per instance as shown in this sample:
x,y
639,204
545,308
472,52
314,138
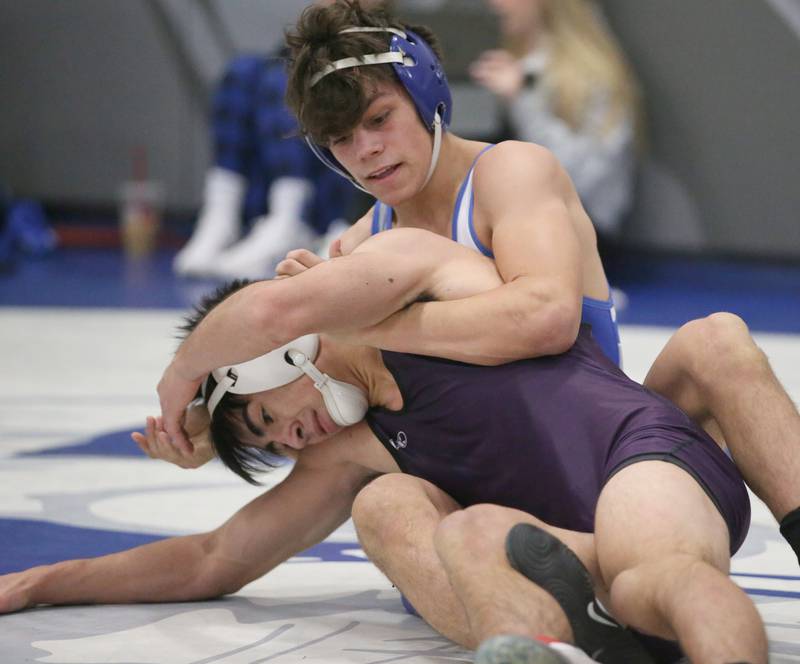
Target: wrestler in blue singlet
x,y
544,435
600,315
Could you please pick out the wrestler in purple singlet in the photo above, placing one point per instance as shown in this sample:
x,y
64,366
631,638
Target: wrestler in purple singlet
x,y
544,435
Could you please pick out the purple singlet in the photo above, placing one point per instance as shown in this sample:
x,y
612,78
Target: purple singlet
x,y
544,435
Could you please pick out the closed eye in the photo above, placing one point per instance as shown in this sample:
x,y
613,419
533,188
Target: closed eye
x,y
265,418
380,119
339,140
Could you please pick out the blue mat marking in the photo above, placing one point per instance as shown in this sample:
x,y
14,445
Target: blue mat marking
x,y
114,443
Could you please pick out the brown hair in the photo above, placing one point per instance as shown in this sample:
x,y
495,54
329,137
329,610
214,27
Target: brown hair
x,y
337,102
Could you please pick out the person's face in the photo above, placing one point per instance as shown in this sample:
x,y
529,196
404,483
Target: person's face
x,y
292,416
518,18
389,150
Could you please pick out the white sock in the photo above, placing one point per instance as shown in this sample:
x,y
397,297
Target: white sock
x,y
217,225
272,235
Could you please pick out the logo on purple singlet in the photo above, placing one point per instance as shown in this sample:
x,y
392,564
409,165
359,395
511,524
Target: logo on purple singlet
x,y
401,442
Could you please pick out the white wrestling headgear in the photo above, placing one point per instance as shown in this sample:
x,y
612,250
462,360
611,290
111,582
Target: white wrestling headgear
x,y
346,404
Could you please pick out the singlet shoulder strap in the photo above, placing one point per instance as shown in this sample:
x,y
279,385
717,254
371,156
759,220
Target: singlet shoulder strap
x,y
382,214
463,229
381,217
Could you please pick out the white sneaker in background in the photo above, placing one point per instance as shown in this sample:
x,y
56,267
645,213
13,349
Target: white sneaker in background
x,y
334,232
211,236
217,226
257,254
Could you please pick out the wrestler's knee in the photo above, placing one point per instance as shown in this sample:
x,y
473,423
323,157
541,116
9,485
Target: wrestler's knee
x,y
478,531
720,348
396,511
372,505
375,498
650,584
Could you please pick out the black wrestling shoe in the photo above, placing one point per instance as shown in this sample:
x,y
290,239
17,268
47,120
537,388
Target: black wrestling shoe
x,y
516,650
551,565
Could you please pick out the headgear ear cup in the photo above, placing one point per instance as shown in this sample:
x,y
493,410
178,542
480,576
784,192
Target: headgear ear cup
x,y
346,404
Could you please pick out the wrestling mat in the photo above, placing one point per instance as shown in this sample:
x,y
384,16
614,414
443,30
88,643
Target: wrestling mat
x,y
76,381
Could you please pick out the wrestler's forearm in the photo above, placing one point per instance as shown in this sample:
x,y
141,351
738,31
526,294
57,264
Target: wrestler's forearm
x,y
335,296
490,328
249,316
175,569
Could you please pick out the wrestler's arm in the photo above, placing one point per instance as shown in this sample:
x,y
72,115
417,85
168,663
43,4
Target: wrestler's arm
x,y
300,260
353,236
523,192
299,512
336,296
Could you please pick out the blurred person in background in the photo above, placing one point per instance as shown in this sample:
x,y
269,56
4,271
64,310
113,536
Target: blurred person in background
x,y
263,175
564,83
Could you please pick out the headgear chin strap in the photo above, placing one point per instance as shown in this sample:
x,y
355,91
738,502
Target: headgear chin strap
x,y
421,74
346,404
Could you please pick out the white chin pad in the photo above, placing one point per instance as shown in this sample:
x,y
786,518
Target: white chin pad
x,y
346,404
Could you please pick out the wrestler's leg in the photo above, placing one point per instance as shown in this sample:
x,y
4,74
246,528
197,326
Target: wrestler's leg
x,y
663,549
497,599
396,516
714,371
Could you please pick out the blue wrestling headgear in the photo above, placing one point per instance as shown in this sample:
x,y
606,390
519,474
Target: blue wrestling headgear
x,y
346,404
421,74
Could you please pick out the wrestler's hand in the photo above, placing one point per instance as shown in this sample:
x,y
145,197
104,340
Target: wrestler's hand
x,y
15,592
154,442
335,248
297,261
499,72
176,392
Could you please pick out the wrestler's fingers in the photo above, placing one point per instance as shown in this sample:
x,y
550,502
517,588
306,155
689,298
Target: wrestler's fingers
x,y
159,449
165,448
305,257
335,249
171,453
156,440
141,441
144,440
289,267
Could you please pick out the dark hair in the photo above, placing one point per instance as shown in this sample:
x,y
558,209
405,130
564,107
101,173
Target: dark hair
x,y
336,103
227,424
